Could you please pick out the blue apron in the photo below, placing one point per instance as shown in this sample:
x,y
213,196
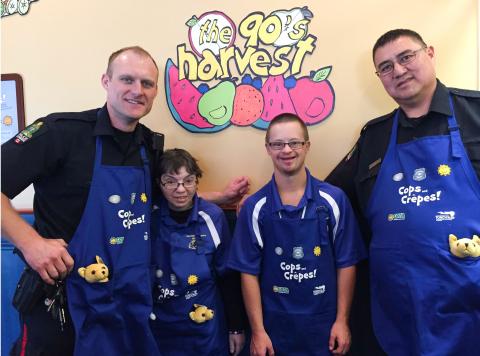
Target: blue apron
x,y
112,318
183,258
425,301
298,281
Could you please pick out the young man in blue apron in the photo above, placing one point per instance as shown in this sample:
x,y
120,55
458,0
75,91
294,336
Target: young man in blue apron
x,y
91,174
296,243
192,298
414,177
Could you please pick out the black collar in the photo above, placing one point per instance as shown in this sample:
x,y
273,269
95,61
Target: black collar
x,y
440,104
104,127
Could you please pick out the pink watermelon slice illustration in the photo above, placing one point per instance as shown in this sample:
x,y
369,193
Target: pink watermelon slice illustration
x,y
276,99
182,99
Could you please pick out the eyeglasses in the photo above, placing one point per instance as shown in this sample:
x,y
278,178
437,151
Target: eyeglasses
x,y
385,68
172,184
279,145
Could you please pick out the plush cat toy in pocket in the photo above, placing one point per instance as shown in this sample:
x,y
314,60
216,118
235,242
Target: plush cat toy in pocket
x,y
95,273
464,247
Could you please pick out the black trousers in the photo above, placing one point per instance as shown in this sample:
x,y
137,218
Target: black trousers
x,y
41,334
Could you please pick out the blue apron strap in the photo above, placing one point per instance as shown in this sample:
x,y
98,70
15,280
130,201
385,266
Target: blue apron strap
x,y
456,140
393,135
98,152
318,211
146,169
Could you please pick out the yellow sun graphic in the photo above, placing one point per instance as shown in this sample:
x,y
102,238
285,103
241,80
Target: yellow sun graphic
x,y
143,197
317,250
444,170
192,279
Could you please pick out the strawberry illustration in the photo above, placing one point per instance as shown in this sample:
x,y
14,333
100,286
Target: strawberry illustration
x,y
247,105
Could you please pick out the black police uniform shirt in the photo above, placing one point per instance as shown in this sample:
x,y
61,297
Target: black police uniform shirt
x,y
357,172
57,156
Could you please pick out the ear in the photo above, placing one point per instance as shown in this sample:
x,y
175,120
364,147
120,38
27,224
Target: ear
x,y
430,51
452,238
105,80
81,272
99,260
476,239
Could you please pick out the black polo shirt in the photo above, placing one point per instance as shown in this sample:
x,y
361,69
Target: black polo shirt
x,y
357,172
57,155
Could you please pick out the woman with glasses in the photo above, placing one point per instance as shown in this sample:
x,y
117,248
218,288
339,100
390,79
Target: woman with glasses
x,y
190,242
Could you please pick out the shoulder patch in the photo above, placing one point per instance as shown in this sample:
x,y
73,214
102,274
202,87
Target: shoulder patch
x,y
29,132
465,92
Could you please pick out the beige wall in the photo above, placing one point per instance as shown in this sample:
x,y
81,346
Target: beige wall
x,y
60,48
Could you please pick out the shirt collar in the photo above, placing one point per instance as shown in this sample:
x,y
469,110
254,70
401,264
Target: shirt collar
x,y
103,126
307,195
440,104
165,212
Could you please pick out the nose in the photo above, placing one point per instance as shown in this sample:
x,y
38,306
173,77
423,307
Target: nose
x,y
286,148
137,87
398,69
180,187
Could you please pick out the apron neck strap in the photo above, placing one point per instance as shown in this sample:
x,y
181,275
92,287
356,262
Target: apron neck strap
x,y
453,129
455,138
301,218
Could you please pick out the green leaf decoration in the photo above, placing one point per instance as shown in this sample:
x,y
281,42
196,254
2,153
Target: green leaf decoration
x,y
322,74
192,22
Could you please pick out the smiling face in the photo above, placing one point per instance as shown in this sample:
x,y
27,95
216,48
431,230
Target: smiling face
x,y
131,87
287,161
409,84
180,198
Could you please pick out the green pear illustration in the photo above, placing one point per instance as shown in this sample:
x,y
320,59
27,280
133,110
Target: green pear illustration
x,y
216,105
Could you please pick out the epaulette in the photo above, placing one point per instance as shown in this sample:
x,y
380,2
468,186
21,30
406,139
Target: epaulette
x,y
378,120
465,92
154,140
89,116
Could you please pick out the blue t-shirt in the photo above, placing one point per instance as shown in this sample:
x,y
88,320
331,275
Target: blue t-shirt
x,y
247,244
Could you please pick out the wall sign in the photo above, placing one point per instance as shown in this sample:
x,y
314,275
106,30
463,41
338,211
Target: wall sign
x,y
245,75
12,109
10,7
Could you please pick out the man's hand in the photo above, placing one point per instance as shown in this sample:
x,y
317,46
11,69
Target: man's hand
x,y
236,343
235,190
231,194
340,334
49,257
261,344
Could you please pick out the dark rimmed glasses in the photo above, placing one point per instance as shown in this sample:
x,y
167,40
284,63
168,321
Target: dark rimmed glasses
x,y
172,184
279,145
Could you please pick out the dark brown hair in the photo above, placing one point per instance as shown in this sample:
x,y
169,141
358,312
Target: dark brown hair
x,y
286,117
176,158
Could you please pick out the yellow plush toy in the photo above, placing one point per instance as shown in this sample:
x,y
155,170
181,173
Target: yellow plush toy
x,y
464,247
201,314
95,273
